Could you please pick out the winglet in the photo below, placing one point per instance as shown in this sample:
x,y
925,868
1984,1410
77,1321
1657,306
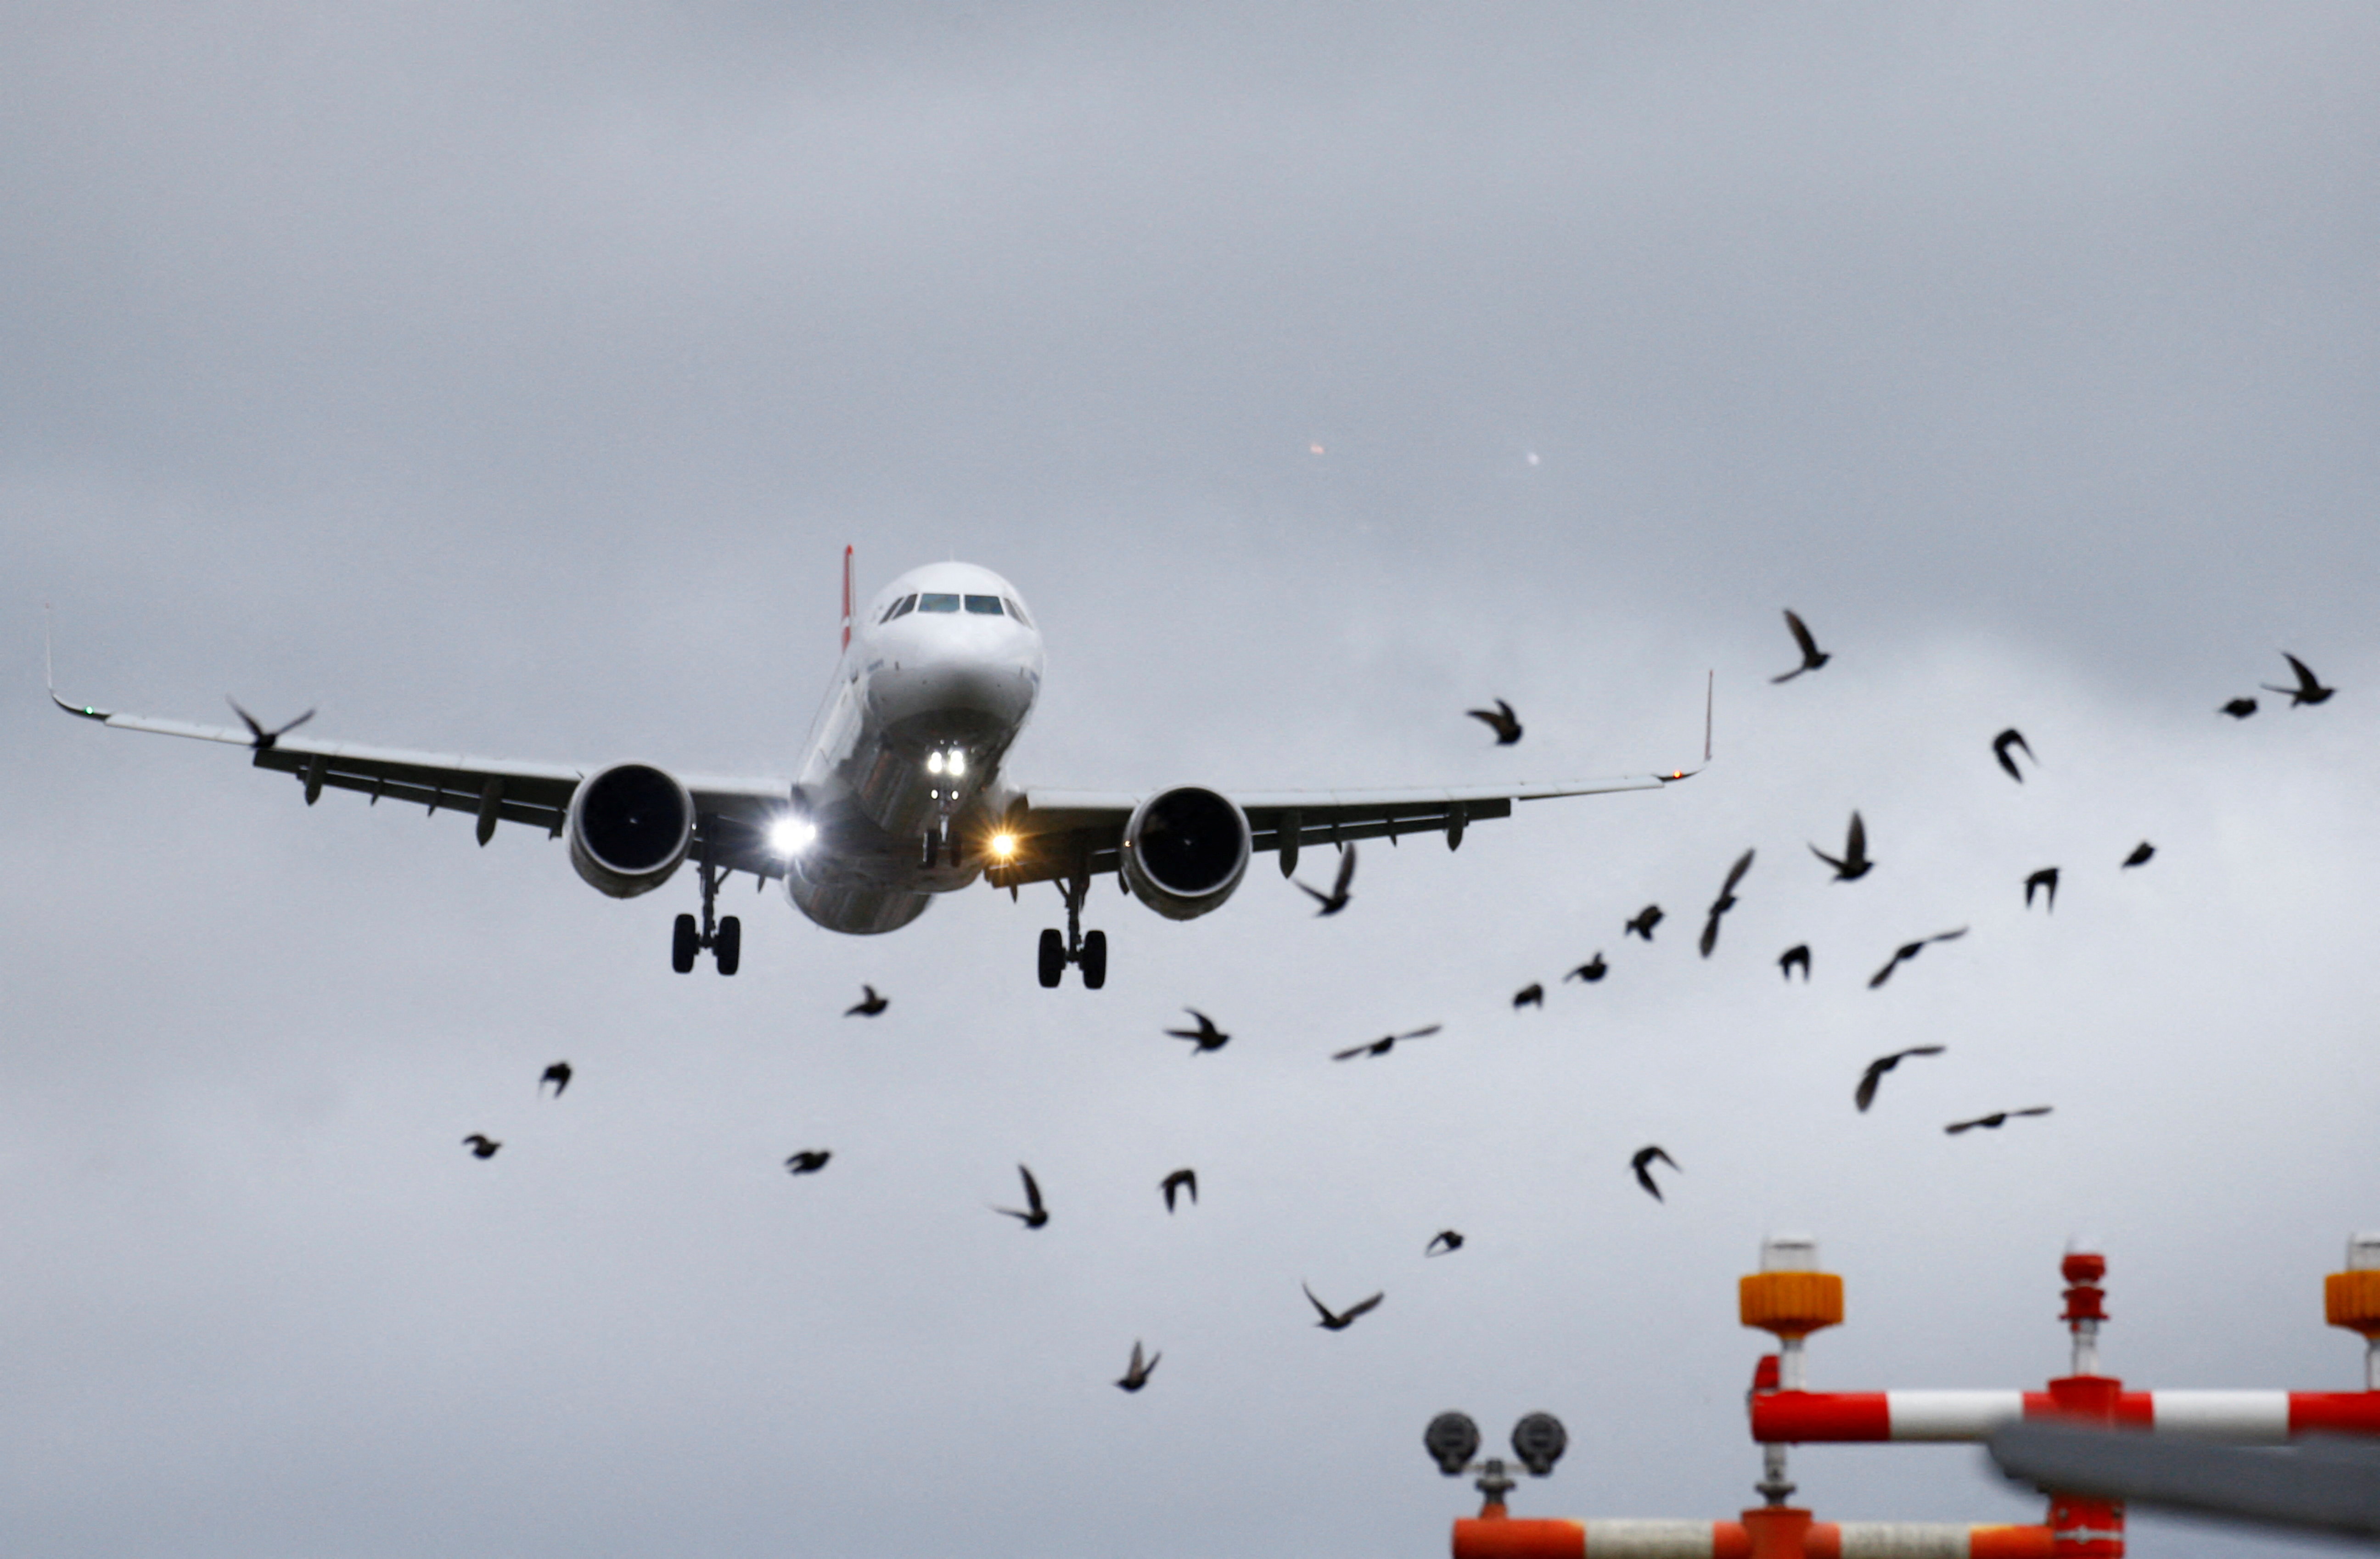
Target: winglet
x,y
49,675
1710,684
846,595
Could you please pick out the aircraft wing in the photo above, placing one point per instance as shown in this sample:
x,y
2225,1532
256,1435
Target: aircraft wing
x,y
732,816
1061,833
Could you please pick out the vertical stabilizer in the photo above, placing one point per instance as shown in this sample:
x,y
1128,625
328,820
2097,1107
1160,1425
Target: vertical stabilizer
x,y
846,597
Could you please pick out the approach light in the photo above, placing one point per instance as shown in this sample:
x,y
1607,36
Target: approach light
x,y
934,763
1539,1441
791,836
1003,846
1452,1439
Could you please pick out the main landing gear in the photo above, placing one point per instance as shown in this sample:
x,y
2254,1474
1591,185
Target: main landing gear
x,y
1078,946
724,936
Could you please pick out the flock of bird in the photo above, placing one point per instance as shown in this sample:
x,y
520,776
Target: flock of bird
x,y
1852,864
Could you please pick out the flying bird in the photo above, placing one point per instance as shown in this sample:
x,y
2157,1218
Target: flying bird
x,y
1908,950
1643,1165
481,1144
1795,956
2308,690
1865,1094
1531,995
1994,1122
2239,709
264,740
1854,863
2046,879
870,1005
1038,1214
2141,853
1336,899
1136,1374
1181,1179
1508,730
2011,737
559,1075
1594,969
1206,1036
1445,1242
1339,1321
1812,656
1383,1045
809,1160
1725,901
1647,918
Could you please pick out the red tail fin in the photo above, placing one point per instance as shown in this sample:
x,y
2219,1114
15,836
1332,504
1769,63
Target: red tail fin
x,y
846,597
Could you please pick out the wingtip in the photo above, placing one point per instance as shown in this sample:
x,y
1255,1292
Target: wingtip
x,y
49,674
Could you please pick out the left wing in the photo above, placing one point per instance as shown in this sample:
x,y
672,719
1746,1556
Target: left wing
x,y
1070,833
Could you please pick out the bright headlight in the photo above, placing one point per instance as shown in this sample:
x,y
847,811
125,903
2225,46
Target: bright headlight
x,y
958,761
791,836
1003,845
933,763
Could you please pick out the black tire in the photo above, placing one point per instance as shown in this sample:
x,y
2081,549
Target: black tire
x,y
1094,959
1053,959
728,946
685,942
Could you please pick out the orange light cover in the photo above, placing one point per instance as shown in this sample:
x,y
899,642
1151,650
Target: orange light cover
x,y
1795,1304
2352,1300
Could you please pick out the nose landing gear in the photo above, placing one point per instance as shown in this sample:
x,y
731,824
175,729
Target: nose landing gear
x,y
1087,949
723,934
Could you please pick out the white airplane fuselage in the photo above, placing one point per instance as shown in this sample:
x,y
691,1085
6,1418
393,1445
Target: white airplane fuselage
x,y
900,775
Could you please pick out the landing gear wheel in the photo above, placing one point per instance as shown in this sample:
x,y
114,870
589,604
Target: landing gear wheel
x,y
728,947
1094,959
1053,957
685,942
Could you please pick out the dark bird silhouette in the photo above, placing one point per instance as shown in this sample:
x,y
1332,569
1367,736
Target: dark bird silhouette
x,y
1854,863
1865,1093
870,1005
1181,1179
1206,1036
1336,899
1647,918
2239,709
1994,1122
1725,901
2046,880
1038,1214
1812,656
1508,730
809,1160
559,1075
1339,1321
1908,950
481,1144
1445,1242
1594,969
1383,1045
1798,954
1531,995
2141,853
1643,1165
2308,690
1136,1374
2011,737
264,740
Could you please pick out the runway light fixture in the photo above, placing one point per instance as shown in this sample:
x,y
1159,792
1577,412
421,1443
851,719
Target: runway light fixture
x,y
1452,1439
791,836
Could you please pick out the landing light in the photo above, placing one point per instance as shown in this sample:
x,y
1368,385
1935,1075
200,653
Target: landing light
x,y
958,761
934,763
1003,845
791,836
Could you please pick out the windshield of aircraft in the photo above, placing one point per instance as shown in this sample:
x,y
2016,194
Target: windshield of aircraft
x,y
986,606
901,608
938,603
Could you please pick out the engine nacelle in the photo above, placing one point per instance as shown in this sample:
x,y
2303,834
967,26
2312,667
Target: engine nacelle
x,y
1185,851
629,828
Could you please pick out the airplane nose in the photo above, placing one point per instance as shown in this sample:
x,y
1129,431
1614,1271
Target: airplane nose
x,y
956,698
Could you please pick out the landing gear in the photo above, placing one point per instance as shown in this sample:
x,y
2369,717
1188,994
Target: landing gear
x,y
725,938
1088,950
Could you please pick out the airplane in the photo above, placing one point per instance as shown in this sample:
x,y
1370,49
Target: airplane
x,y
899,796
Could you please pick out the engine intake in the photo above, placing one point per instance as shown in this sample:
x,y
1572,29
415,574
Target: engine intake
x,y
1185,851
629,828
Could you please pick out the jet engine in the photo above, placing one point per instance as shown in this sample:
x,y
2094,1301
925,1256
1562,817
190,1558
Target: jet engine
x,y
629,827
1185,851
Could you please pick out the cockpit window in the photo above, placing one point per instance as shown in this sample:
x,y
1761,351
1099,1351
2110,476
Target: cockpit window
x,y
900,608
1017,612
938,603
984,606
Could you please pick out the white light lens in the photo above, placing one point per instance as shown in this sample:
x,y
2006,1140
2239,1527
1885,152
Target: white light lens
x,y
958,761
791,836
934,764
1003,845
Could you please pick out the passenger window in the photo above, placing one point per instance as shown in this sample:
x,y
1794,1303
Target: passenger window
x,y
1017,613
938,603
984,606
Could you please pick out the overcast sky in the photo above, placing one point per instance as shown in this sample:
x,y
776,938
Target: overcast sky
x,y
508,379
